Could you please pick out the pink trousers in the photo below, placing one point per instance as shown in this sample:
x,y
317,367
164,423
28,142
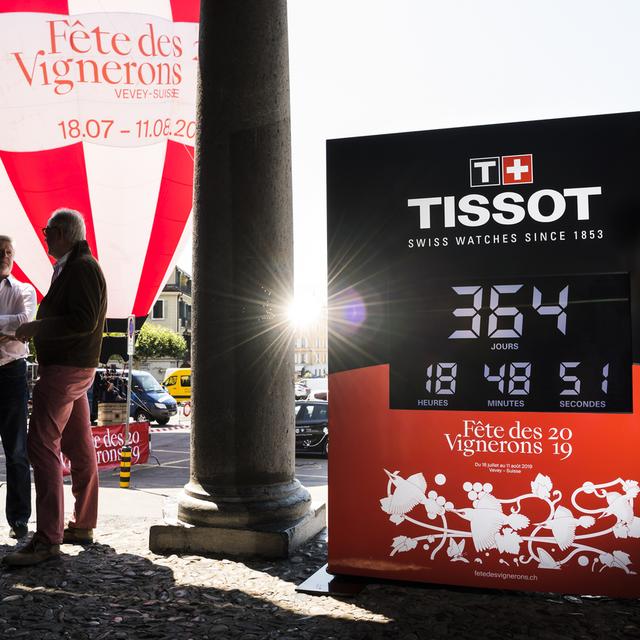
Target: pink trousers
x,y
60,421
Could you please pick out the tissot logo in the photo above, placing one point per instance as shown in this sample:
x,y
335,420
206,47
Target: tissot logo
x,y
485,172
497,170
506,208
517,169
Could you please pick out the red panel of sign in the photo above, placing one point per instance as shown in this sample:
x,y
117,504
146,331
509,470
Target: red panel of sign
x,y
506,500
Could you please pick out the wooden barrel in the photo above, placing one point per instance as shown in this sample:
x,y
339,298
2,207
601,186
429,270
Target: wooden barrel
x,y
111,413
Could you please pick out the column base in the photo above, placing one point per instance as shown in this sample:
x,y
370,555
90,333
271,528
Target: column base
x,y
269,541
243,507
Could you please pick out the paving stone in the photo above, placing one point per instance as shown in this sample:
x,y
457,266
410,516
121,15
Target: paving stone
x,y
118,589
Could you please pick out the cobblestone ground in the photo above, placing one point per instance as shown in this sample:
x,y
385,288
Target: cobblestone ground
x,y
117,589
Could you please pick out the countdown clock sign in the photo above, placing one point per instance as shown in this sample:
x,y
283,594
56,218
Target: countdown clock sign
x,y
480,344
484,347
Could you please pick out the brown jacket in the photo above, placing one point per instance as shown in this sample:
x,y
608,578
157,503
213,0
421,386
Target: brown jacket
x,y
71,315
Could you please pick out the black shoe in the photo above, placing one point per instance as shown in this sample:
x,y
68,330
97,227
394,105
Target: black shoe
x,y
73,535
37,550
18,531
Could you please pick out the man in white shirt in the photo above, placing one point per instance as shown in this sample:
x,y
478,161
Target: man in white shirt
x,y
17,305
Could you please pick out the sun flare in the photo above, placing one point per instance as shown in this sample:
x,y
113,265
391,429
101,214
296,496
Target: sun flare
x,y
304,311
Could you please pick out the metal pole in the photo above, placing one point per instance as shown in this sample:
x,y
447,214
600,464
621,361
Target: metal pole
x,y
131,335
125,452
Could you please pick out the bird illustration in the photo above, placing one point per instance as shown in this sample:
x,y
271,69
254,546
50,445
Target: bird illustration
x,y
487,519
620,506
408,493
546,560
563,526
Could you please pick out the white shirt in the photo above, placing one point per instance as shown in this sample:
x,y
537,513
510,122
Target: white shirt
x,y
17,306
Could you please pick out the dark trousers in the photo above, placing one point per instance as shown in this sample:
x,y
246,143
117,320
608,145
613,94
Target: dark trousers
x,y
13,431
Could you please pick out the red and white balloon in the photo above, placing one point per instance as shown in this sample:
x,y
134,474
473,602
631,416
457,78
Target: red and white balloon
x,y
97,106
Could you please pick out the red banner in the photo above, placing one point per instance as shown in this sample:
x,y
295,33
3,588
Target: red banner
x,y
109,440
503,500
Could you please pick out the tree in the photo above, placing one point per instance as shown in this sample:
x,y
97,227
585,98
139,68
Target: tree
x,y
158,342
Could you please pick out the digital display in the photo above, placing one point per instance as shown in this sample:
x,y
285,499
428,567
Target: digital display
x,y
547,343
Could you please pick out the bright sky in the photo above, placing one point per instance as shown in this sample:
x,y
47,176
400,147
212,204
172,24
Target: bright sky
x,y
363,67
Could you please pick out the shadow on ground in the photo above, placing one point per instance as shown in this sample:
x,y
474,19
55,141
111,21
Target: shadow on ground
x,y
117,589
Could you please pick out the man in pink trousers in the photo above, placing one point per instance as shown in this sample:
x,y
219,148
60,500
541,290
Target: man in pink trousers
x,y
67,333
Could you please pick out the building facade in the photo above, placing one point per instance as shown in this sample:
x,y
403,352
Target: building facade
x,y
172,310
310,354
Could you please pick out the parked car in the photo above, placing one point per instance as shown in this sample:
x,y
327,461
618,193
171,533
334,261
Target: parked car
x,y
301,390
149,400
178,383
306,388
312,427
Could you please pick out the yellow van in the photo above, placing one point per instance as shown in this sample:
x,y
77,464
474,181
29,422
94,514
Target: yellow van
x,y
178,383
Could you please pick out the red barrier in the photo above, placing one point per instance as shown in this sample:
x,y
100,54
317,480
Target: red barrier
x,y
108,442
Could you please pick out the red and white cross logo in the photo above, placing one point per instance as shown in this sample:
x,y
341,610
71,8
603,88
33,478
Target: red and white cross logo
x,y
517,169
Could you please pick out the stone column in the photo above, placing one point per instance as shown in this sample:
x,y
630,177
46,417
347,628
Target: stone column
x,y
242,496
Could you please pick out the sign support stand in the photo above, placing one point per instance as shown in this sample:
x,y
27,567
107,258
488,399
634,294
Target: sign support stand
x,y
125,454
131,337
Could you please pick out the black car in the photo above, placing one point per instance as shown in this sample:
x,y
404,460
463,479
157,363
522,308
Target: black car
x,y
312,427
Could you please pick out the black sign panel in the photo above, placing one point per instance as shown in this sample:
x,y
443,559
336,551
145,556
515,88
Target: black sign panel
x,y
507,232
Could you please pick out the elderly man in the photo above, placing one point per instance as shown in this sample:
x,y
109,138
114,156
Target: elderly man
x,y
67,334
17,306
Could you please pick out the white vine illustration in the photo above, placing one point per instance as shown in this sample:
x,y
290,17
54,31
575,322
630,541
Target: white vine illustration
x,y
501,524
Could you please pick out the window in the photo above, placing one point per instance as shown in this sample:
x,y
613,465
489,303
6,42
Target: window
x,y
146,382
171,381
311,413
185,381
158,310
184,311
304,413
320,412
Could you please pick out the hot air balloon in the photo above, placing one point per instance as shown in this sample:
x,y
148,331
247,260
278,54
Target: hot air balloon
x,y
97,106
